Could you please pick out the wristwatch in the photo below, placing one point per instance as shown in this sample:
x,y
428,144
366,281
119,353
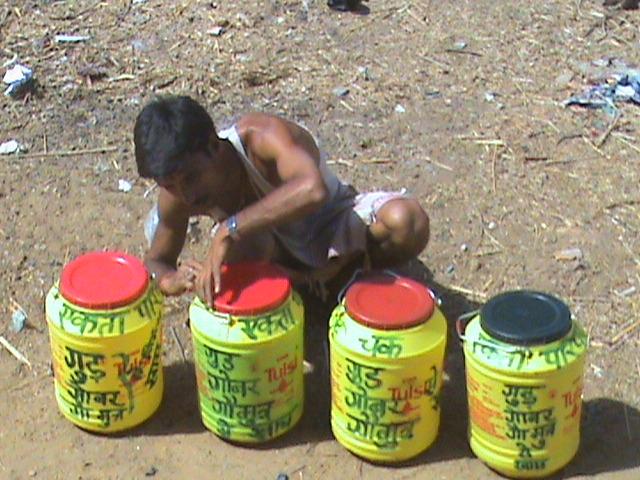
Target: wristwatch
x,y
232,227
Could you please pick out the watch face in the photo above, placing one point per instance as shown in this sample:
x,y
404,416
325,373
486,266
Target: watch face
x,y
232,226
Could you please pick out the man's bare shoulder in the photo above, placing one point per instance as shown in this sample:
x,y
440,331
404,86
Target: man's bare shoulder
x,y
264,133
257,124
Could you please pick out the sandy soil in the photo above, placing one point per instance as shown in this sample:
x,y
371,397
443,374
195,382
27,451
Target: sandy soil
x,y
508,180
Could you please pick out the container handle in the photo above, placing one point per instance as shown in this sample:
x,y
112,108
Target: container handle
x,y
343,292
436,298
432,294
461,325
462,321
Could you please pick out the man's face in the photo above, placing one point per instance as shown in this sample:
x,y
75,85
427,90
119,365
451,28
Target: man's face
x,y
198,184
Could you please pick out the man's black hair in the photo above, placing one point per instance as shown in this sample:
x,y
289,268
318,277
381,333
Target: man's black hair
x,y
166,130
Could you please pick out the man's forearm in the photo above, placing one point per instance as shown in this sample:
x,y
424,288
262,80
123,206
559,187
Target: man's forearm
x,y
288,203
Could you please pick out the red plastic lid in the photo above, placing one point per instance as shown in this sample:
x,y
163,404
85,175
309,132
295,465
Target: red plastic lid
x,y
387,302
252,288
104,280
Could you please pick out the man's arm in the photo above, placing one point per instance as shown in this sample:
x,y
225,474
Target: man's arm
x,y
162,257
301,190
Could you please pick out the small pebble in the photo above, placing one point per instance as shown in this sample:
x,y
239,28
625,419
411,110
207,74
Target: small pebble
x,y
18,321
597,371
32,473
569,254
124,186
139,45
216,31
341,91
627,292
18,77
450,269
71,38
489,97
492,225
151,472
366,74
400,109
602,62
461,45
464,247
12,146
282,476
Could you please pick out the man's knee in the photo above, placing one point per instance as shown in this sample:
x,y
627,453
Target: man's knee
x,y
407,224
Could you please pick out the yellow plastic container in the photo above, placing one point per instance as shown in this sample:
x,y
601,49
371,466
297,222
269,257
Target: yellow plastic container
x,y
104,322
249,355
387,344
524,366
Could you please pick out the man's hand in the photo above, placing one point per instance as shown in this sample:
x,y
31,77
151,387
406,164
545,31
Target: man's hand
x,y
181,280
210,276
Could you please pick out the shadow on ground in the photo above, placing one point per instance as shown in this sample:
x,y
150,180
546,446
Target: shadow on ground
x,y
451,442
610,439
178,412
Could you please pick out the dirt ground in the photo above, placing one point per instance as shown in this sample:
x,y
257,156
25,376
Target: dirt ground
x,y
509,178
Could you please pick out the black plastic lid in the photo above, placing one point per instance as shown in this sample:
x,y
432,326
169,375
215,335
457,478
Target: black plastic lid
x,y
525,317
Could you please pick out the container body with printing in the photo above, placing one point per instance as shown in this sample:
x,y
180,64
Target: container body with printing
x,y
104,320
524,366
248,353
387,345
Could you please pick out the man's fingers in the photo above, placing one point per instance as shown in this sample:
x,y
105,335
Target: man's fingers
x,y
190,270
208,292
200,287
192,265
190,276
216,278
